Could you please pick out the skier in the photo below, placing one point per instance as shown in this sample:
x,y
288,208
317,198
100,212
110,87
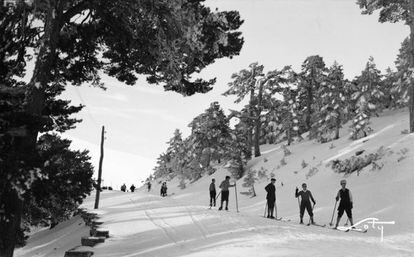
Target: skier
x,y
271,198
149,186
164,189
213,193
305,203
132,188
123,188
225,192
346,203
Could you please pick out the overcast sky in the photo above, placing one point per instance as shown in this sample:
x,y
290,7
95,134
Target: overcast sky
x,y
141,119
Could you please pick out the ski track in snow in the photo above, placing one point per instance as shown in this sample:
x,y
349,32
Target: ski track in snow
x,y
357,144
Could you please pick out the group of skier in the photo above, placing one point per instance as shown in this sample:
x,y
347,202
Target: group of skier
x,y
305,199
124,188
224,186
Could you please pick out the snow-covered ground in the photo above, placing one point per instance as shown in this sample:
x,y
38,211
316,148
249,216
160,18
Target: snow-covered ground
x,y
144,224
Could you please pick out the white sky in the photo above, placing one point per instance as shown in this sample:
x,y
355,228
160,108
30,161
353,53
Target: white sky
x,y
141,119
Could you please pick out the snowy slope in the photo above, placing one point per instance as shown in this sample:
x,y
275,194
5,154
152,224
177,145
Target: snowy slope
x,y
144,224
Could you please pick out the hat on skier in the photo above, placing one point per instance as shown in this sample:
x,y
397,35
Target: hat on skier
x,y
272,179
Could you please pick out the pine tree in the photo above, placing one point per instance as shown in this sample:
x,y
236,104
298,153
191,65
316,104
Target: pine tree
x,y
249,181
367,99
209,134
310,79
247,82
290,115
260,87
238,151
394,11
333,101
401,81
64,180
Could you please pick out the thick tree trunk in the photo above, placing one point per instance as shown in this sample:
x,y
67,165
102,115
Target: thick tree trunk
x,y
250,129
411,87
33,105
8,228
258,122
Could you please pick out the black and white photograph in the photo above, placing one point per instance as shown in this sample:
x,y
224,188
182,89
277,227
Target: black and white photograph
x,y
206,128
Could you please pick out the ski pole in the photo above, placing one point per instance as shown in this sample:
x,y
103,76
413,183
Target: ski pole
x,y
275,208
333,214
264,215
235,191
218,195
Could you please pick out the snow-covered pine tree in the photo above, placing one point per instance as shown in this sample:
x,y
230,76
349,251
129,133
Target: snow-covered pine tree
x,y
276,82
260,87
176,152
367,97
210,132
247,82
249,181
289,115
238,151
401,81
333,105
309,81
397,11
66,179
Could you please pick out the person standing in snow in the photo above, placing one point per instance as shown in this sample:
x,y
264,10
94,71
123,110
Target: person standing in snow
x,y
224,186
271,198
306,197
346,203
132,188
213,193
149,186
164,189
123,188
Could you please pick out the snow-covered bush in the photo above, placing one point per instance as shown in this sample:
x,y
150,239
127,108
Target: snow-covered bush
x,y
249,181
357,163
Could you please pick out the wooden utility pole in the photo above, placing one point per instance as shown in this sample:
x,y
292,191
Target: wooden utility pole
x,y
98,187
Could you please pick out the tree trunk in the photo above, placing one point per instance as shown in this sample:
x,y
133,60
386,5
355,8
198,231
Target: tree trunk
x,y
33,105
411,86
258,122
337,127
13,206
250,129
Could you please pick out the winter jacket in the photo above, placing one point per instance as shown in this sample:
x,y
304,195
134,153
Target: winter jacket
x,y
225,185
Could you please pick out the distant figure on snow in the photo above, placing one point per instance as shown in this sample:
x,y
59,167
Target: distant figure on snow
x,y
305,203
225,192
164,189
346,203
213,193
132,188
271,198
123,188
149,186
